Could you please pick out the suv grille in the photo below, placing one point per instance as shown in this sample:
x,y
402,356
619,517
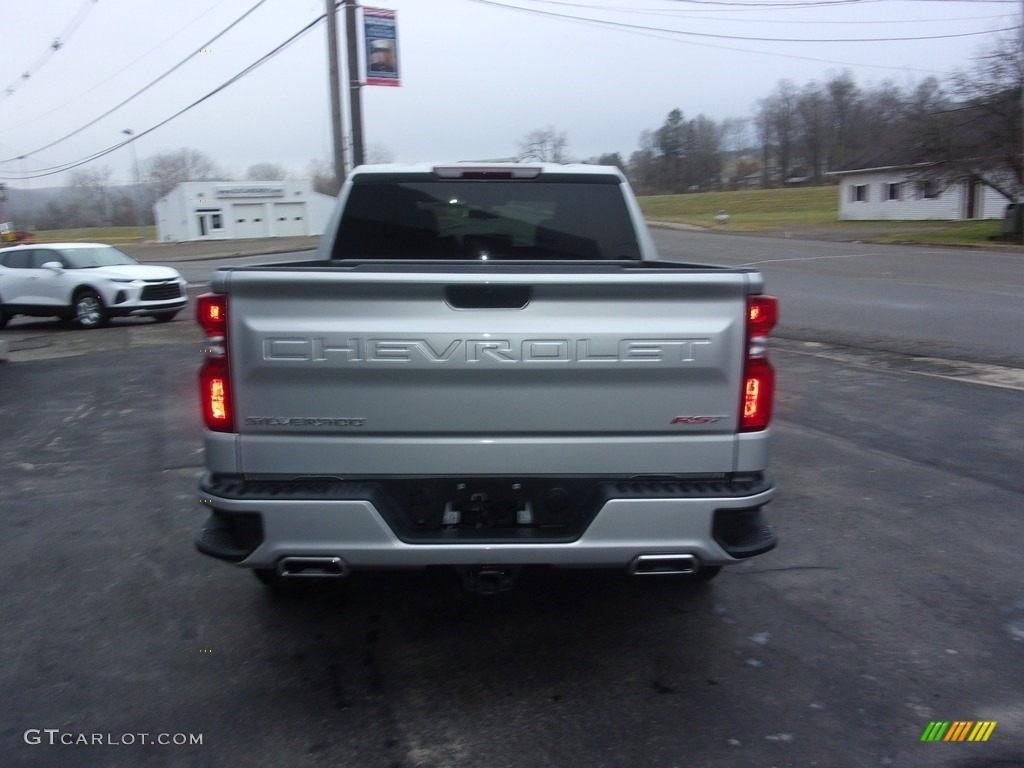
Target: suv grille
x,y
161,292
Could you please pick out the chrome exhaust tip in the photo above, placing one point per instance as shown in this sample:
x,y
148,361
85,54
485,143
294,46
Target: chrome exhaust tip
x,y
311,567
647,565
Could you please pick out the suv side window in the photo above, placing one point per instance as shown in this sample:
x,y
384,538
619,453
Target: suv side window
x,y
42,256
19,259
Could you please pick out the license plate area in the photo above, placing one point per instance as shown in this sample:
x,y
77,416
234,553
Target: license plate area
x,y
482,511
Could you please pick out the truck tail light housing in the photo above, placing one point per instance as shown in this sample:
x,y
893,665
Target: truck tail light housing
x,y
215,391
212,314
215,375
758,391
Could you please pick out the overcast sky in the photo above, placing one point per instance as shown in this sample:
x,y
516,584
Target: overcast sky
x,y
476,75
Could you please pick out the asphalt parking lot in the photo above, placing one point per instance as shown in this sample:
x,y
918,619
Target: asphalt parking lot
x,y
893,601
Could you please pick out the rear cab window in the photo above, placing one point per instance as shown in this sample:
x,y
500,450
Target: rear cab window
x,y
418,216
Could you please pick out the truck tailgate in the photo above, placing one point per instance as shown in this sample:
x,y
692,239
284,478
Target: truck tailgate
x,y
362,373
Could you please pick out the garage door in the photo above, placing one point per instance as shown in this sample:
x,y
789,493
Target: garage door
x,y
290,219
251,220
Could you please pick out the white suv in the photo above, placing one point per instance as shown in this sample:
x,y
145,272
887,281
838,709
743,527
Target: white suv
x,y
85,282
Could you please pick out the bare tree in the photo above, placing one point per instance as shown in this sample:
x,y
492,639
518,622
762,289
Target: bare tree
x,y
843,99
784,115
975,131
322,174
643,165
544,145
166,170
266,172
609,158
705,150
672,142
812,128
764,128
881,120
735,133
87,201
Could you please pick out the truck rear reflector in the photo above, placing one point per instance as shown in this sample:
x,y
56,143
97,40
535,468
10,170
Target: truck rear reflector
x,y
758,392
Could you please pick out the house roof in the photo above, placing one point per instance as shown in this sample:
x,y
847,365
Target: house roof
x,y
877,161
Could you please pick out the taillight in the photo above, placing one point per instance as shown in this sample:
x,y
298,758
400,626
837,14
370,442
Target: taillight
x,y
212,313
214,376
758,391
215,392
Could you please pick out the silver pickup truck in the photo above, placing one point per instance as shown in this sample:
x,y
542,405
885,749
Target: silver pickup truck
x,y
486,367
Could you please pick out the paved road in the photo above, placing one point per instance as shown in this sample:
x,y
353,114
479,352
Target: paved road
x,y
962,304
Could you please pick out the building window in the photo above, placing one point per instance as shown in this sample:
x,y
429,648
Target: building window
x,y
859,193
928,189
216,222
892,191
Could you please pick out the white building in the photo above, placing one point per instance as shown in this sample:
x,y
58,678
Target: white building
x,y
229,210
903,193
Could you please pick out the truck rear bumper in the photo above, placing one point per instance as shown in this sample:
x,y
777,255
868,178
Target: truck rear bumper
x,y
257,526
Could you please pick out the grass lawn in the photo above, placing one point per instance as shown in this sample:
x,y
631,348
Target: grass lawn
x,y
750,210
109,235
812,210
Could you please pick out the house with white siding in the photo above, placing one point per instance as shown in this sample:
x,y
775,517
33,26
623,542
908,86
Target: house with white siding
x,y
906,193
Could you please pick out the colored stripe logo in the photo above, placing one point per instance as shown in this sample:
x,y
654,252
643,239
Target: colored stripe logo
x,y
958,730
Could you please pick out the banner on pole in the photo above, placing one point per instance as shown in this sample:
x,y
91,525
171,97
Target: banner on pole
x,y
380,33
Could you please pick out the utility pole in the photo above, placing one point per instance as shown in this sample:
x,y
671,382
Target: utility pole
x,y
335,84
354,96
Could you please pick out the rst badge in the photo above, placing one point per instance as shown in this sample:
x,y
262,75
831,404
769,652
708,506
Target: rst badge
x,y
696,420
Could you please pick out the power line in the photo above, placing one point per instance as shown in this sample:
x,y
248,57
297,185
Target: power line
x,y
746,38
127,66
719,7
714,3
52,170
58,42
811,3
673,39
145,88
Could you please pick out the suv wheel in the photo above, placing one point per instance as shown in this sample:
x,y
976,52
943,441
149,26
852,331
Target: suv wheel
x,y
89,310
